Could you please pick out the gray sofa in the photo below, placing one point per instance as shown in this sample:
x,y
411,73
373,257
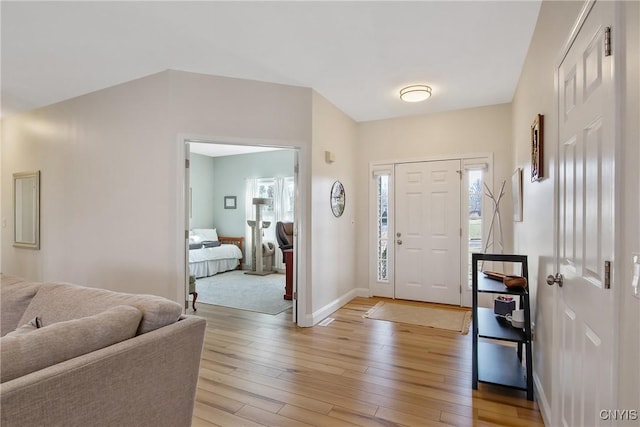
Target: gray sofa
x,y
99,358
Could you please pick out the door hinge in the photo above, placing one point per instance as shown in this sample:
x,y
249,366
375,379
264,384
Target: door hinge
x,y
607,274
459,172
460,231
295,294
186,234
186,163
607,41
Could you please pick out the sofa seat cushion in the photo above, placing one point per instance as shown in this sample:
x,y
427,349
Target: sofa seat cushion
x,y
15,295
55,343
58,302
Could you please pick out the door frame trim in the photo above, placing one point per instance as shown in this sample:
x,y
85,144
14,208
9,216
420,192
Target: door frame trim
x,y
300,314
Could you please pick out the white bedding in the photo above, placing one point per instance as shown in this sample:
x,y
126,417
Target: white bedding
x,y
211,268
209,261
219,252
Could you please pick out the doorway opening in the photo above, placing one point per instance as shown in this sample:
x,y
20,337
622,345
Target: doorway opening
x,y
222,182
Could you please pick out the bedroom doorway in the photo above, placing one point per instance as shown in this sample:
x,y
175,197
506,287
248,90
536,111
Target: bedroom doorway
x,y
221,180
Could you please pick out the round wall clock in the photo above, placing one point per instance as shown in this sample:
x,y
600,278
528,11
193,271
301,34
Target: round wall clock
x,y
337,199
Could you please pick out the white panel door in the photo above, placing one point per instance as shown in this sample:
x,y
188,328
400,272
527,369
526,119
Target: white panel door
x,y
584,383
427,263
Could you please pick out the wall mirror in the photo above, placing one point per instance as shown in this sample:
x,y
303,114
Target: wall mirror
x,y
26,210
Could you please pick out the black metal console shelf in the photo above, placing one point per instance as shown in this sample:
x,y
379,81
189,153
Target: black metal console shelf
x,y
498,356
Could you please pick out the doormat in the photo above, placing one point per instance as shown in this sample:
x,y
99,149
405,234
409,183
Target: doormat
x,y
440,318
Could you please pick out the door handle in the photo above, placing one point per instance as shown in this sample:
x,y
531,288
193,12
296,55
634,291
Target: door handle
x,y
552,280
399,241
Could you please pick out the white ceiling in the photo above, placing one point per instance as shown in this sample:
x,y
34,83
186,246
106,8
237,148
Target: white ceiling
x,y
356,54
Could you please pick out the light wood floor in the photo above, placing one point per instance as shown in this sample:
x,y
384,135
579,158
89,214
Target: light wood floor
x,y
261,370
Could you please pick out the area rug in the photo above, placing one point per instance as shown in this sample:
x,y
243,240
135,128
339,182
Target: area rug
x,y
235,289
441,318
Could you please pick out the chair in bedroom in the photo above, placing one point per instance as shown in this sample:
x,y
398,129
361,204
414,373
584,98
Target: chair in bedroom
x,y
284,235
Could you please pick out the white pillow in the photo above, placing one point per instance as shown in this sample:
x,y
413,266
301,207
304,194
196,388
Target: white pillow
x,y
193,237
209,234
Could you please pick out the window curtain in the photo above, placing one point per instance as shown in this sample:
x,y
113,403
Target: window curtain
x,y
278,211
251,189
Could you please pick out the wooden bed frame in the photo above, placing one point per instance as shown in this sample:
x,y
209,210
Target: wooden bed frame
x,y
238,241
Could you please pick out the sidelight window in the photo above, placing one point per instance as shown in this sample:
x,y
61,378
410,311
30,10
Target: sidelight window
x,y
382,237
474,214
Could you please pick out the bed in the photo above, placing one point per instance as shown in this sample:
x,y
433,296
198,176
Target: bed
x,y
210,254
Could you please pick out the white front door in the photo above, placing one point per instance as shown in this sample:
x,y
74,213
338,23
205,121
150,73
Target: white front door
x,y
427,239
583,384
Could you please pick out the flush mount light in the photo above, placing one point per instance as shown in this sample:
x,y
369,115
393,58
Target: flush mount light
x,y
415,93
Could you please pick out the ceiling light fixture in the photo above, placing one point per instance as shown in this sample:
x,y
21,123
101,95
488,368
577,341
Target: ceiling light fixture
x,y
415,93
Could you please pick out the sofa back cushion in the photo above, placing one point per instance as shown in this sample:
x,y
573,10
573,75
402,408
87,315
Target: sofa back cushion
x,y
55,343
15,296
58,302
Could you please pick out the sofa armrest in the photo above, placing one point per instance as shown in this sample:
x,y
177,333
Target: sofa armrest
x,y
148,380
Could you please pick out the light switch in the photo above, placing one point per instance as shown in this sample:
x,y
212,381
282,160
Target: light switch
x,y
636,275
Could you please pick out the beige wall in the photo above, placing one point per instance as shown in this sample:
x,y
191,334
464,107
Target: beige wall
x,y
535,235
238,109
333,247
452,134
103,197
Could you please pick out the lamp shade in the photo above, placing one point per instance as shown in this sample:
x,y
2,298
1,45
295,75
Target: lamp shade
x,y
415,93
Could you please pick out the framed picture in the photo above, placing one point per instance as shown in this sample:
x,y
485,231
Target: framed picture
x,y
230,202
537,145
516,191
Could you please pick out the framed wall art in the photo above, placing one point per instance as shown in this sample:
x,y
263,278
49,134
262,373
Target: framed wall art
x,y
230,202
537,148
26,210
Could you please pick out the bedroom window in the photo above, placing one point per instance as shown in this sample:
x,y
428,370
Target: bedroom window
x,y
289,196
282,192
266,188
382,227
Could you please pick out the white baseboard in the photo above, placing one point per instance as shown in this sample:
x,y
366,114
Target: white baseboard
x,y
543,402
318,315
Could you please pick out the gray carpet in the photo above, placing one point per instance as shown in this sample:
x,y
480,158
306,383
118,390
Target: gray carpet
x,y
235,289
